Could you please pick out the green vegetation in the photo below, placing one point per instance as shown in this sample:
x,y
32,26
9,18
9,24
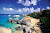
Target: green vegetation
x,y
44,18
35,15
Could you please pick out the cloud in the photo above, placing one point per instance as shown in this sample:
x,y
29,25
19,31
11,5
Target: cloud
x,y
31,9
48,7
25,9
28,3
8,9
34,2
36,10
19,1
43,9
21,10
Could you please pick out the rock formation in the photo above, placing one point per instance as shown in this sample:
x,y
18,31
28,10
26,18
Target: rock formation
x,y
13,20
16,16
10,20
27,23
30,23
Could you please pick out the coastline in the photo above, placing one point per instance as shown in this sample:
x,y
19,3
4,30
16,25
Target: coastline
x,y
31,20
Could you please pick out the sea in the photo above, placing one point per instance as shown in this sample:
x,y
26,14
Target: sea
x,y
4,18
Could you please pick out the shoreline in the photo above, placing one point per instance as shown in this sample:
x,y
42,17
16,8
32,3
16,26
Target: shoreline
x,y
31,20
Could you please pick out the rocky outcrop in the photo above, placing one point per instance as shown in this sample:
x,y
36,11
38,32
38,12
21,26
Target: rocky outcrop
x,y
10,20
30,23
9,15
5,30
24,15
16,16
13,20
27,23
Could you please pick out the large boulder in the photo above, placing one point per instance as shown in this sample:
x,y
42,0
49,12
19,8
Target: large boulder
x,y
24,15
29,21
10,20
16,16
28,30
9,15
22,22
15,19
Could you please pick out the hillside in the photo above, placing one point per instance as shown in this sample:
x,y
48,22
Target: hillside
x,y
44,17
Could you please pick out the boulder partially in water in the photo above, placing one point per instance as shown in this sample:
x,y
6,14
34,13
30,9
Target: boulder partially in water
x,y
9,15
16,16
24,15
10,20
13,20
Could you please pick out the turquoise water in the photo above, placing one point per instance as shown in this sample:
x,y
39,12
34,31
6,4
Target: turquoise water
x,y
4,19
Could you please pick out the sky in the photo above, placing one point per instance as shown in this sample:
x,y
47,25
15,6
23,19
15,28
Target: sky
x,y
23,6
